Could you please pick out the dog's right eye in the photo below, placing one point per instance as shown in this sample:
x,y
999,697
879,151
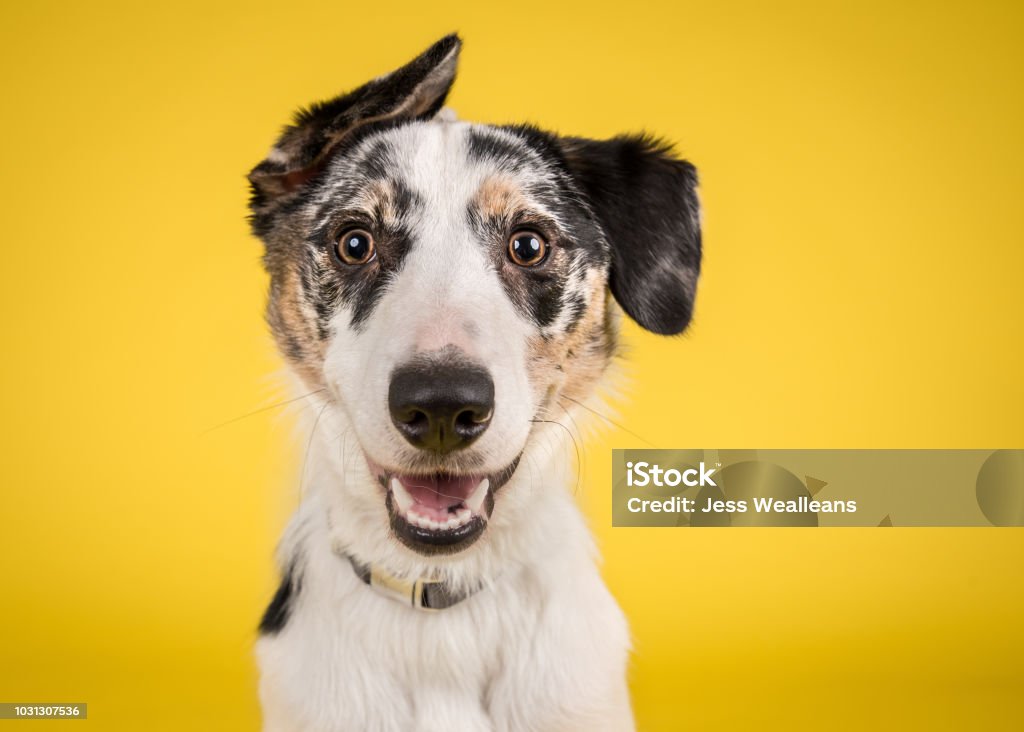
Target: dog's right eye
x,y
355,247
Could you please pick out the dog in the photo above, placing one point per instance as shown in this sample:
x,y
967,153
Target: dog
x,y
448,297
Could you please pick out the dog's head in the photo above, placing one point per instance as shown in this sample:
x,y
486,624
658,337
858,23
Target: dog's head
x,y
446,284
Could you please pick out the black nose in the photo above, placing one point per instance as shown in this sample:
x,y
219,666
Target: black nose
x,y
441,405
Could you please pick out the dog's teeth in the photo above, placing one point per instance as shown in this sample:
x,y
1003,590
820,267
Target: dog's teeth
x,y
476,500
401,496
405,505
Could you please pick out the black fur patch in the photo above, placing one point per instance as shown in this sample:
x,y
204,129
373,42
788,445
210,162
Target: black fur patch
x,y
362,291
646,201
504,154
279,610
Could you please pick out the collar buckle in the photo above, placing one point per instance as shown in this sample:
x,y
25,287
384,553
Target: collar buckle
x,y
414,593
427,595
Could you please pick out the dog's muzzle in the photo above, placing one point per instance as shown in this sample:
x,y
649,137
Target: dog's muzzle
x,y
441,403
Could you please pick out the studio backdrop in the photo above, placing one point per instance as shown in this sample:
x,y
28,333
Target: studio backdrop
x,y
862,170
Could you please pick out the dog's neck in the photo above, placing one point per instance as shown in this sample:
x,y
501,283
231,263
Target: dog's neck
x,y
426,594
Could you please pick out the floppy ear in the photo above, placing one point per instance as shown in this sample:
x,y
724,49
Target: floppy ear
x,y
415,91
646,201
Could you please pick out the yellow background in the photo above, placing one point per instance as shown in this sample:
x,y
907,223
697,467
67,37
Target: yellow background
x,y
863,171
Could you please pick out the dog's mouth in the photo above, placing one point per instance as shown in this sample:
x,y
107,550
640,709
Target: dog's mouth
x,y
441,512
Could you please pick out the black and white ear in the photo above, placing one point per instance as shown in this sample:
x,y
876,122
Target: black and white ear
x,y
646,201
415,91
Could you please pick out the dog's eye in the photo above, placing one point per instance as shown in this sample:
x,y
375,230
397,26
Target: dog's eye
x,y
527,248
355,246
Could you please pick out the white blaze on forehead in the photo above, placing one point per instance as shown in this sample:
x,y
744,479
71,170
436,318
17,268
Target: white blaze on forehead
x,y
448,290
432,159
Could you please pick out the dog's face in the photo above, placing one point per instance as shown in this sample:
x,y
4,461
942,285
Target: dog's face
x,y
446,285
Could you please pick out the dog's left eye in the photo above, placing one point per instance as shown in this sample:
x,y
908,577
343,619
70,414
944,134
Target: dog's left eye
x,y
527,248
355,246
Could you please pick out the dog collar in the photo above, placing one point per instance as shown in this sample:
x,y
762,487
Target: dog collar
x,y
429,595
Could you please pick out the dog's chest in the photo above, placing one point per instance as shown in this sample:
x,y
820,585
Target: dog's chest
x,y
510,658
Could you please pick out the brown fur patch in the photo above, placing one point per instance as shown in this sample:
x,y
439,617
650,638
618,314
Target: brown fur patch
x,y
293,322
499,196
380,198
571,364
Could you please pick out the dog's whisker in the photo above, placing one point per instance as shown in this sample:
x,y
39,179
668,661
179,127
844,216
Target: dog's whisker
x,y
607,419
579,433
309,447
575,445
534,483
344,436
551,445
253,413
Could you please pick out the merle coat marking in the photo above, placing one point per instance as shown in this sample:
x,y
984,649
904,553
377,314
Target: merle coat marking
x,y
393,238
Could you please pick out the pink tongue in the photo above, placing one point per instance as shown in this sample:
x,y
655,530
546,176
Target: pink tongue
x,y
439,493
